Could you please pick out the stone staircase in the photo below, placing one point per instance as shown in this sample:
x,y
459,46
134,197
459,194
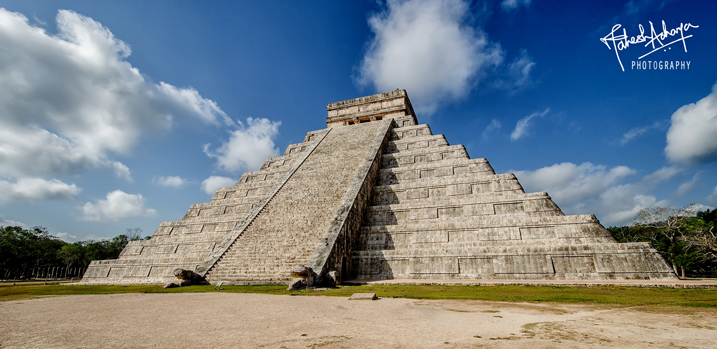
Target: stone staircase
x,y
288,230
187,242
437,214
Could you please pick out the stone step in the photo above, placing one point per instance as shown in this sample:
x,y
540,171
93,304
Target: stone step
x,y
464,205
449,215
410,131
197,225
480,183
524,221
552,249
496,236
460,191
447,167
605,260
418,142
415,156
295,149
286,157
404,121
397,242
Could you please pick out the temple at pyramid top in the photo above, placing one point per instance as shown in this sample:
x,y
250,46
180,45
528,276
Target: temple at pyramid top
x,y
376,195
389,105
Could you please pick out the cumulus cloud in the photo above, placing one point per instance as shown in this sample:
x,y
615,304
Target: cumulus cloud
x,y
692,137
248,147
522,128
588,188
170,181
571,183
70,101
619,204
115,206
67,237
211,184
428,48
37,189
510,5
11,223
638,131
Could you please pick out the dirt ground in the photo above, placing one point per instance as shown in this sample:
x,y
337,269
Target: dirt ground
x,y
231,320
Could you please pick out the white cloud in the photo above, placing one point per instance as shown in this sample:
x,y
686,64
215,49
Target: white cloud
x,y
247,147
37,189
67,237
520,70
11,223
522,128
71,101
638,131
619,204
689,186
211,184
428,48
516,75
588,188
115,206
491,129
712,198
510,5
570,183
170,181
692,138
660,175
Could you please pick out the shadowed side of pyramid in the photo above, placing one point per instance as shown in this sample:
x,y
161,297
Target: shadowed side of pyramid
x,y
378,196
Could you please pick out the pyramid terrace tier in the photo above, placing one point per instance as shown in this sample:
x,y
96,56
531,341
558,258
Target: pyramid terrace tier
x,y
565,231
605,261
390,189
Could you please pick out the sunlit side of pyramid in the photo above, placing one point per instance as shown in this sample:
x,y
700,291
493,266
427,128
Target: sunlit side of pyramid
x,y
378,196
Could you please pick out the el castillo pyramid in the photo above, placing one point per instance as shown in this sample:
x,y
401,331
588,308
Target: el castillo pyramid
x,y
376,195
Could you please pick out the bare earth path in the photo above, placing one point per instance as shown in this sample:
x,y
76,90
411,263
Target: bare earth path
x,y
231,320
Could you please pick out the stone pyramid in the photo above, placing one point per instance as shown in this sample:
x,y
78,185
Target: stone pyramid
x,y
378,196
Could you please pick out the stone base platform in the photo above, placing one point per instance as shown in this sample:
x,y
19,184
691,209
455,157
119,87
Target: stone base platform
x,y
686,283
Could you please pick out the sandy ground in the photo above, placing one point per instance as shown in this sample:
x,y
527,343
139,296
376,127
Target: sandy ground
x,y
231,320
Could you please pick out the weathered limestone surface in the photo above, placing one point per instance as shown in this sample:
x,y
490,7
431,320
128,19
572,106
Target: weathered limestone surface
x,y
205,227
286,233
437,214
378,196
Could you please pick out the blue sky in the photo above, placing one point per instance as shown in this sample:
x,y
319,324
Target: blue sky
x,y
117,115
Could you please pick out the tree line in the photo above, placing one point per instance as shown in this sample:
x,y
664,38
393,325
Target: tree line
x,y
685,237
33,252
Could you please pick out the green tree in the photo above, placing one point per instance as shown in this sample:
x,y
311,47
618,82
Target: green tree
x,y
72,254
703,235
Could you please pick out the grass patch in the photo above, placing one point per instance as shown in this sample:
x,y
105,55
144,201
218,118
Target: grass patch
x,y
607,295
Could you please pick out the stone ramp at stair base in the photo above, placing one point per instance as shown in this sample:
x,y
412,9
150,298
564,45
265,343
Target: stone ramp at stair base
x,y
294,223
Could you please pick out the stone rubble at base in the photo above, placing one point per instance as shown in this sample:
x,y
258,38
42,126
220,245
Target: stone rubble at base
x,y
378,196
